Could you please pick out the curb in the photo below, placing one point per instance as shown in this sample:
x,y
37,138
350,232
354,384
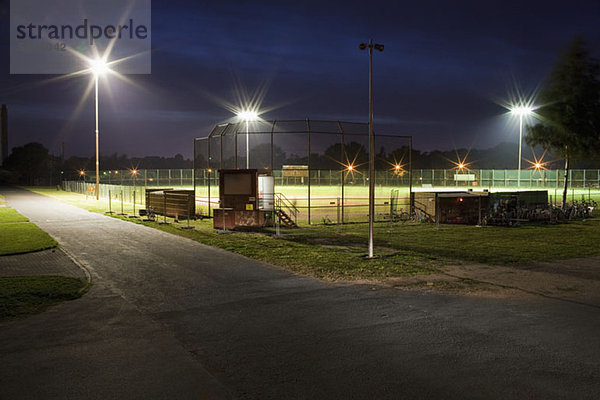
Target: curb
x,y
85,269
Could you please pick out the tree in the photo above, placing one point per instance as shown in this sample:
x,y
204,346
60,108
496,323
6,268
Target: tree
x,y
31,162
570,113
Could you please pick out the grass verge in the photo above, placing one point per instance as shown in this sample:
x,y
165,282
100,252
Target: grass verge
x,y
323,261
25,295
17,235
8,214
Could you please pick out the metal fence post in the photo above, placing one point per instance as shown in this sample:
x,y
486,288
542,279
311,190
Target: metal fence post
x,y
188,213
122,213
109,202
134,216
338,215
164,209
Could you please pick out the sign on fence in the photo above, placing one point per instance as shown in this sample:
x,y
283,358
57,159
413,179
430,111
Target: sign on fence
x,y
464,177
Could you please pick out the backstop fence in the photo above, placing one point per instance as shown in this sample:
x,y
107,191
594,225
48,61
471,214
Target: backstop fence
x,y
319,166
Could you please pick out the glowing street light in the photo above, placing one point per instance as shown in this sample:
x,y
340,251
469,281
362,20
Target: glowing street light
x,y
461,164
379,47
99,67
134,173
521,111
247,115
538,164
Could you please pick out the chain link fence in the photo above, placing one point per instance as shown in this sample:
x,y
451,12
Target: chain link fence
x,y
332,195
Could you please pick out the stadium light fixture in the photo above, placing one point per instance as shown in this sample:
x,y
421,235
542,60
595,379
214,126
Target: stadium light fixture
x,y
247,116
521,111
98,66
379,47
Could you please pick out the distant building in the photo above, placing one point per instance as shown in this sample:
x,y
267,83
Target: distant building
x,y
3,134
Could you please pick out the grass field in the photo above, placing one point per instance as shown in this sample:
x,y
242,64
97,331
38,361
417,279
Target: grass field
x,y
403,249
25,295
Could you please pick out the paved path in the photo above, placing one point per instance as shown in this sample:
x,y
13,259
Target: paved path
x,y
171,318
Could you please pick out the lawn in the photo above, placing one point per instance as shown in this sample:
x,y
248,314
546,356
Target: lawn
x,y
403,249
24,295
495,245
8,214
17,235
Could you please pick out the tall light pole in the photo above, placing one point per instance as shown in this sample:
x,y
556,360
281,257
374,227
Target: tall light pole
x,y
98,67
247,115
371,46
521,111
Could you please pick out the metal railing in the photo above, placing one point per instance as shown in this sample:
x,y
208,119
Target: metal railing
x,y
283,203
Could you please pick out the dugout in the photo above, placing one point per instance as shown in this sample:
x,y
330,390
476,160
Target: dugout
x,y
452,207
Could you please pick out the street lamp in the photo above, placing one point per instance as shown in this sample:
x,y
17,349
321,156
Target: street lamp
x,y
98,68
371,46
247,115
521,111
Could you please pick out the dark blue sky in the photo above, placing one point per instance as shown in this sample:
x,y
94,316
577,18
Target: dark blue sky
x,y
444,68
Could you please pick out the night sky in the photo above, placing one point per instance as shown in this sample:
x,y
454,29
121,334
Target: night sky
x,y
445,68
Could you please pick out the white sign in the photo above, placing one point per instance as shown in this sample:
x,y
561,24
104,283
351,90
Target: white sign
x,y
464,177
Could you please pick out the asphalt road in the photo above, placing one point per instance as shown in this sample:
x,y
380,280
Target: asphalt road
x,y
171,318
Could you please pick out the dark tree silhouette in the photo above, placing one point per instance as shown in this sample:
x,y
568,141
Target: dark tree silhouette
x,y
30,162
570,115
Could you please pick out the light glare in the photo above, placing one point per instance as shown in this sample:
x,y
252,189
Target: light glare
x,y
248,115
521,110
99,66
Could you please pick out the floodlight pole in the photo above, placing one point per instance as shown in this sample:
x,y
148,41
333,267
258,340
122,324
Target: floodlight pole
x,y
520,143
97,151
247,149
379,47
